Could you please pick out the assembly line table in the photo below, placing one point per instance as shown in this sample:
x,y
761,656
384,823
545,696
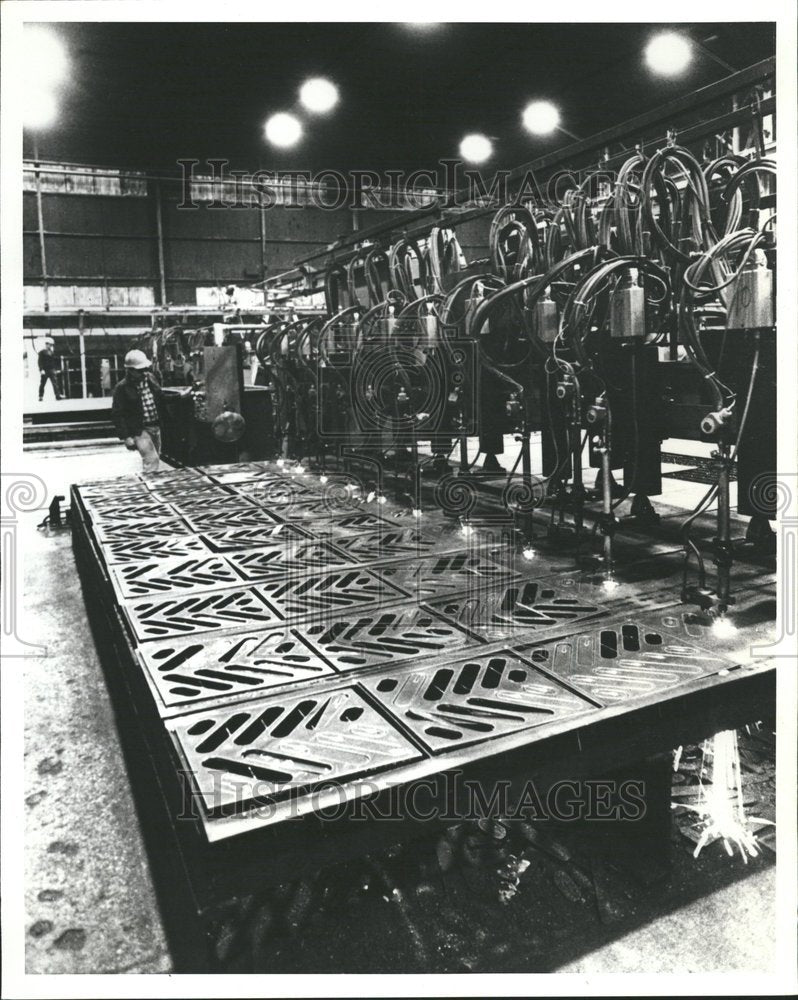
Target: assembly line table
x,y
289,659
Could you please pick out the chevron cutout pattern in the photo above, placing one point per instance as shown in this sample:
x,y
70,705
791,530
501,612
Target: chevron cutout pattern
x,y
297,557
323,594
184,614
274,748
136,550
472,700
384,636
230,516
448,573
127,510
216,666
238,539
164,576
391,542
156,528
527,606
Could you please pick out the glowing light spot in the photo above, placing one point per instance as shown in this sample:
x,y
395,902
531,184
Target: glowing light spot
x,y
283,130
723,628
476,148
318,95
668,54
540,117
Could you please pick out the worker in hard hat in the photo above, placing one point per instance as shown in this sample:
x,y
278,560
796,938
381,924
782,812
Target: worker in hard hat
x,y
47,367
136,409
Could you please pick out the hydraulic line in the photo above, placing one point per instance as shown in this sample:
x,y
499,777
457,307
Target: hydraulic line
x,y
400,261
513,224
355,264
445,256
693,211
377,285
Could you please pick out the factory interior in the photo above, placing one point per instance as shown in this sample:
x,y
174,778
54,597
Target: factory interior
x,y
400,517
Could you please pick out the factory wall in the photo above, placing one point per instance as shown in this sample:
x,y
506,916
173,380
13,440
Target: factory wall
x,y
102,249
101,239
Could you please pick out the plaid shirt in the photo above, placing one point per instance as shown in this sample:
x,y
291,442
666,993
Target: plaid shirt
x,y
148,408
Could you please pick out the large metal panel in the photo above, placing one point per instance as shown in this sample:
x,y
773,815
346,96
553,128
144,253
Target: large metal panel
x,y
136,550
203,490
230,516
267,488
190,504
262,536
300,597
130,510
170,477
625,660
290,505
464,572
95,497
517,608
325,523
241,472
450,705
386,635
154,528
294,556
395,541
181,574
184,614
275,748
204,668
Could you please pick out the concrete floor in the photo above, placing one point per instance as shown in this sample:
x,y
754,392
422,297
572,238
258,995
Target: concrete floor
x,y
732,930
89,897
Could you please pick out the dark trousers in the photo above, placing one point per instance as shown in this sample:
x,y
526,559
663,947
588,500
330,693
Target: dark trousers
x,y
43,382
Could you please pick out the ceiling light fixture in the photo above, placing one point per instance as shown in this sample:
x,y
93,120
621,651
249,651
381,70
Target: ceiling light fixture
x,y
318,95
45,56
283,130
540,117
668,54
476,148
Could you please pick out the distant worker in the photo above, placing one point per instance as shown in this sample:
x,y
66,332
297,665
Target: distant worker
x,y
136,410
48,369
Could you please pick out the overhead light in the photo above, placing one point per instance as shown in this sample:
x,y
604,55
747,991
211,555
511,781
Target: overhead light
x,y
45,57
540,117
41,109
318,95
476,148
668,54
283,130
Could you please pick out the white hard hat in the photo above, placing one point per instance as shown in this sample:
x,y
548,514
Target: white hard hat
x,y
50,341
136,359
